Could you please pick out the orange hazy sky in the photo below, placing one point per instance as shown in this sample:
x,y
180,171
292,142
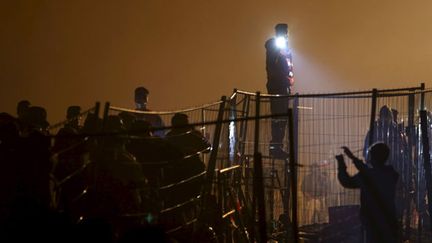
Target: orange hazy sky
x,y
57,53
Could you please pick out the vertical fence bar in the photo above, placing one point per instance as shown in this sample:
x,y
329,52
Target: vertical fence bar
x,y
259,184
372,117
97,109
257,127
232,129
422,96
426,159
293,172
296,125
420,222
105,114
254,180
411,142
258,176
213,155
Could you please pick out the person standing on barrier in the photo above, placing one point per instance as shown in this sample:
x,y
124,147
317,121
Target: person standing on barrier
x,y
377,193
141,100
280,79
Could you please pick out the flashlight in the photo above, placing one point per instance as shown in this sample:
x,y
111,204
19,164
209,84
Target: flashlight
x,y
281,42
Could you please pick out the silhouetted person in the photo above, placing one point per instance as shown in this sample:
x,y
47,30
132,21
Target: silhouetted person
x,y
66,136
9,143
280,79
154,153
141,100
191,143
377,193
118,179
35,119
387,131
22,108
70,149
184,136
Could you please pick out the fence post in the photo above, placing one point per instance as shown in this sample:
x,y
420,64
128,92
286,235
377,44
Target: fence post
x,y
426,158
259,188
105,115
293,172
232,129
296,125
411,141
258,184
422,96
97,109
244,124
213,155
257,127
372,117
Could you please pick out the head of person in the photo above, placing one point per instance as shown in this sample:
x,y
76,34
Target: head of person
x,y
385,114
36,117
22,108
179,119
281,29
114,126
73,113
141,98
378,154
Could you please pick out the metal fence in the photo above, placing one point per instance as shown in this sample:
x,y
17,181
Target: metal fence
x,y
322,124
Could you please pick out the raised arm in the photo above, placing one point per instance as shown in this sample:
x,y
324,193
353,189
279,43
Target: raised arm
x,y
357,162
344,178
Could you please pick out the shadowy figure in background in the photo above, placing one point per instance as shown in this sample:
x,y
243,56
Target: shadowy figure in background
x,y
153,153
9,154
118,180
67,135
35,119
70,149
377,193
185,136
22,109
280,79
35,157
141,100
191,143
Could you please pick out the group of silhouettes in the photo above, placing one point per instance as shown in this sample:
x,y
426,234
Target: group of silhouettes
x,y
98,179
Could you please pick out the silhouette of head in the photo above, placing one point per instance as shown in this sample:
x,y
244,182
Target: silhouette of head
x,y
281,29
73,111
37,117
385,114
22,108
141,97
379,153
179,119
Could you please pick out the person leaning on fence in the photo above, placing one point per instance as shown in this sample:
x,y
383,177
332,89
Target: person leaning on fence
x,y
377,193
141,100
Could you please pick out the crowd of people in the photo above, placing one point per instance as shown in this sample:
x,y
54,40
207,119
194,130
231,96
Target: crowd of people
x,y
98,179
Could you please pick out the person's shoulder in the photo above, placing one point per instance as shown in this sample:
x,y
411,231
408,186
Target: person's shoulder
x,y
269,43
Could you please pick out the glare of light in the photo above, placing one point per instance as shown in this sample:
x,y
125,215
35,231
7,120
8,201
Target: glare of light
x,y
281,42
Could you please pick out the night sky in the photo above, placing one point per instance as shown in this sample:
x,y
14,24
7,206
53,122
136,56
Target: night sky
x,y
57,53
